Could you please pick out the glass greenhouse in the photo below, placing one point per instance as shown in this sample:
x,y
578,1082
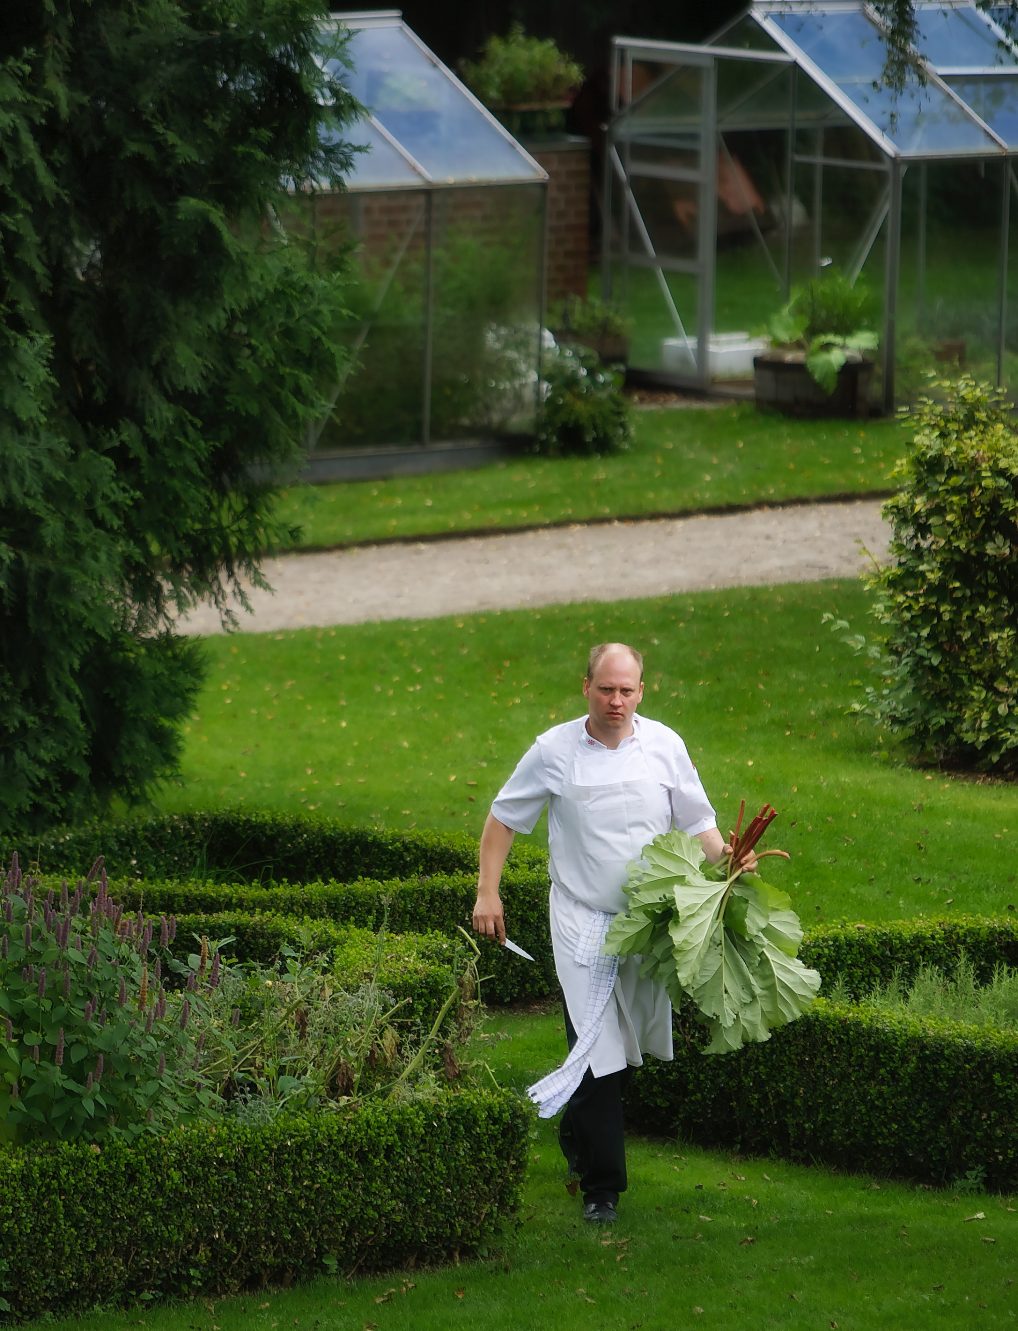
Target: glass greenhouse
x,y
446,213
776,151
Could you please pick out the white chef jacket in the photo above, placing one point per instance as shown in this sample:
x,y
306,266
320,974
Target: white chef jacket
x,y
604,806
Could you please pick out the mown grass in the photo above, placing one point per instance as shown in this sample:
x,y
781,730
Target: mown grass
x,y
417,723
682,460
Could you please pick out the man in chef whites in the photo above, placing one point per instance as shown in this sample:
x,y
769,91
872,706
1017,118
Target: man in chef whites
x,y
612,781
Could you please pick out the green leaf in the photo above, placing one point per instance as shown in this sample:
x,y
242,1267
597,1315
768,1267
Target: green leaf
x,y
786,986
697,910
729,947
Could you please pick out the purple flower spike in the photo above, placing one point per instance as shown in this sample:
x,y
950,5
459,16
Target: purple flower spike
x,y
28,936
41,989
58,1057
99,1065
185,1013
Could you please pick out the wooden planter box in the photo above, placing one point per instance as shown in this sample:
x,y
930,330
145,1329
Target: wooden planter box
x,y
782,383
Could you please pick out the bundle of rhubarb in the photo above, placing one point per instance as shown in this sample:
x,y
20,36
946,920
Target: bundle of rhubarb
x,y
716,935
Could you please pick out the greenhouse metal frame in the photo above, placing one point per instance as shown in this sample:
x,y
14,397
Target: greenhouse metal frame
x,y
782,130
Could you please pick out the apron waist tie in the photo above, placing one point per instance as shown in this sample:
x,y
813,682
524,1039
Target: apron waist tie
x,y
551,1093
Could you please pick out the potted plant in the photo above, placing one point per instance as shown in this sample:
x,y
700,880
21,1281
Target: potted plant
x,y
528,82
817,363
594,323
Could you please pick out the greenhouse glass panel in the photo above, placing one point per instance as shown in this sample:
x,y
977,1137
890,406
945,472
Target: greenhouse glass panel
x,y
948,297
849,51
994,99
486,316
958,38
382,165
444,216
427,110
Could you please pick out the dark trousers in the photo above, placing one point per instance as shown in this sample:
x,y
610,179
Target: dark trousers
x,y
591,1132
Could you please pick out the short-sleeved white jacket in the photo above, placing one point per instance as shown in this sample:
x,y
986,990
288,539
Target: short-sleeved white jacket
x,y
604,806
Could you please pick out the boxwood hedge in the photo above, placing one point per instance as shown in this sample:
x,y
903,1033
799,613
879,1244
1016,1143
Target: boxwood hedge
x,y
255,847
891,1094
212,1210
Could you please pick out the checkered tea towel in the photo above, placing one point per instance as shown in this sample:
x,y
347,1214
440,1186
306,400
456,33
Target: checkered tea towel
x,y
551,1093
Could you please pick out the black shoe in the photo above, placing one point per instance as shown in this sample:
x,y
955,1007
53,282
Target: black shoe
x,y
600,1213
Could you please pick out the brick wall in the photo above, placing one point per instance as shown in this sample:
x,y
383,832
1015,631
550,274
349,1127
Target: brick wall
x,y
567,162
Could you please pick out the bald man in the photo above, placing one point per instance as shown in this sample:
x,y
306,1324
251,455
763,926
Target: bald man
x,y
612,780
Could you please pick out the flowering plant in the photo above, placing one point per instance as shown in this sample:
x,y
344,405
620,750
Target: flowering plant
x,y
716,936
90,1041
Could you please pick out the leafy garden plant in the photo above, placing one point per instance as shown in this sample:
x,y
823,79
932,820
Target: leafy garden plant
x,y
91,1042
591,317
828,319
723,940
104,1033
521,71
956,996
583,411
946,603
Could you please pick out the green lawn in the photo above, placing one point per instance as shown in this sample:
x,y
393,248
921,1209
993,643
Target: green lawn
x,y
682,460
417,723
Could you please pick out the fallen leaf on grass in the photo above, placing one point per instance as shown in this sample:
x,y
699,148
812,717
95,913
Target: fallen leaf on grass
x,y
384,1298
979,1215
745,1243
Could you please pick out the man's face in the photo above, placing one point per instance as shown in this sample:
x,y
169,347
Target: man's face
x,y
613,695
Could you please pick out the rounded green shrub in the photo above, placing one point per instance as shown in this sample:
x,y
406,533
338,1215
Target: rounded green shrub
x,y
584,411
947,602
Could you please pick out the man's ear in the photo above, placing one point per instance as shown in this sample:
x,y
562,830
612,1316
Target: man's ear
x,y
586,687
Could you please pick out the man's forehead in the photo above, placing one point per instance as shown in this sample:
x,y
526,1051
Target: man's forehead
x,y
616,667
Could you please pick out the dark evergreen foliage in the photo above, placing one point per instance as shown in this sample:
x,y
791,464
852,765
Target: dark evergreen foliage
x,y
163,345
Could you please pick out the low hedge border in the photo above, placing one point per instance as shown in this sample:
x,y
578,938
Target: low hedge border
x,y
889,1094
442,902
865,956
211,1210
255,847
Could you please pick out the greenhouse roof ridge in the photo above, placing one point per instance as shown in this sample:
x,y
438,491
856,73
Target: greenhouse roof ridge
x,y
959,101
366,16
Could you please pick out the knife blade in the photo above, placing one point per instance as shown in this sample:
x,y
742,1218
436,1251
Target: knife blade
x,y
515,947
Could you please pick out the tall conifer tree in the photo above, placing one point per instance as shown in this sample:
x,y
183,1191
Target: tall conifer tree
x,y
163,346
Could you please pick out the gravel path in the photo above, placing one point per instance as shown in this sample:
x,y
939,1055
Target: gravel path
x,y
598,562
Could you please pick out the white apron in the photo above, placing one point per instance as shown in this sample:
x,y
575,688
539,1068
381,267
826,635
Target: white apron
x,y
600,829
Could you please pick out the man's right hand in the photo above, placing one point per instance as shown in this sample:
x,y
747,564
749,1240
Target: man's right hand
x,y
489,918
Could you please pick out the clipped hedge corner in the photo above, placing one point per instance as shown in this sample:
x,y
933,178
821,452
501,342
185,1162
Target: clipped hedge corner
x,y
212,1210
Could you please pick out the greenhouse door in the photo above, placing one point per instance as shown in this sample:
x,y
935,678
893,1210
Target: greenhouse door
x,y
668,172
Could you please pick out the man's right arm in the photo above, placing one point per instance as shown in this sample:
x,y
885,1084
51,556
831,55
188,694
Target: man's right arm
x,y
496,841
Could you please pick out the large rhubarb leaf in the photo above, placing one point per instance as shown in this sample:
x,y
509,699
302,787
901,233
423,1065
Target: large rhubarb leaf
x,y
726,943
